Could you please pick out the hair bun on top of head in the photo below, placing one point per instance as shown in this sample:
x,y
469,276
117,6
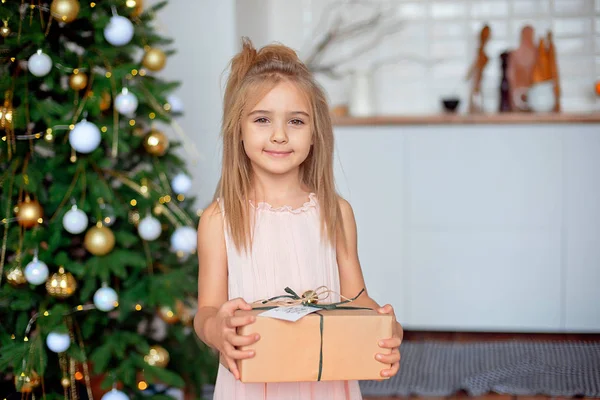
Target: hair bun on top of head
x,y
249,57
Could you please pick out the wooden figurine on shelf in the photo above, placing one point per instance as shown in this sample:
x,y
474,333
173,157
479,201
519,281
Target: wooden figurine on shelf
x,y
476,71
521,64
554,71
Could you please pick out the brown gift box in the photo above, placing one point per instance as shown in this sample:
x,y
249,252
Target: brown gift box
x,y
291,351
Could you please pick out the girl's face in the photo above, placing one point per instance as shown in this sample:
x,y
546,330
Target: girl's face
x,y
277,131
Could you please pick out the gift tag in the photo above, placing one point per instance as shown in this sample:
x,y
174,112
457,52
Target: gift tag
x,y
289,313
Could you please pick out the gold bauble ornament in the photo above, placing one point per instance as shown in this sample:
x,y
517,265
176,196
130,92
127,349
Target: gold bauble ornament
x,y
5,30
168,315
15,276
104,101
25,382
29,213
99,240
7,112
157,357
64,10
185,313
137,6
156,143
61,284
154,59
78,80
65,382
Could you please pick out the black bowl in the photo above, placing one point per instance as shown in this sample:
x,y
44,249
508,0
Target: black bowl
x,y
451,104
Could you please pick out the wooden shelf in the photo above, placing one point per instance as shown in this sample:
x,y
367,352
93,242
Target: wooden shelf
x,y
464,119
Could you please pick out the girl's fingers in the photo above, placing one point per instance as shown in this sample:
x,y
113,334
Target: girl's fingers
x,y
232,366
239,354
391,343
392,371
387,309
234,322
242,340
392,358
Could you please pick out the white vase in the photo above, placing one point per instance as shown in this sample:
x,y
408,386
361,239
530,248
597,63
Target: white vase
x,y
361,94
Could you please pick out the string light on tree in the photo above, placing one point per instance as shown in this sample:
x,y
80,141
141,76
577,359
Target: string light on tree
x,y
25,382
75,220
58,342
168,315
85,137
39,64
64,10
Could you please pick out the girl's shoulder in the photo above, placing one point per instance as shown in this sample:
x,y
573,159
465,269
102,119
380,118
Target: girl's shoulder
x,y
211,218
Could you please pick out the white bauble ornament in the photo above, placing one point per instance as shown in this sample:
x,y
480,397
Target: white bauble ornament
x,y
175,103
114,395
181,183
36,272
85,137
105,298
126,103
119,31
75,221
184,239
58,342
39,63
149,228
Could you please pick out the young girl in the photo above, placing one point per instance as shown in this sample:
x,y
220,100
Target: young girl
x,y
277,220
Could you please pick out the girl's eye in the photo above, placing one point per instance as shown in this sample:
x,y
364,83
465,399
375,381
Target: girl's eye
x,y
261,120
297,122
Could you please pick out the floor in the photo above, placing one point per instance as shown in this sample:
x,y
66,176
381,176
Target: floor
x,y
487,337
465,396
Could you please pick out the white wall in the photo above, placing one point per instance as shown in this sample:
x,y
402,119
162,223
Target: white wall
x,y
204,34
443,34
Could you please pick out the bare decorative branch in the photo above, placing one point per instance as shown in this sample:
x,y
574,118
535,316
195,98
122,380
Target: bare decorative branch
x,y
379,25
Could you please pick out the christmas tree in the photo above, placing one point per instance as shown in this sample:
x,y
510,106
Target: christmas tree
x,y
98,227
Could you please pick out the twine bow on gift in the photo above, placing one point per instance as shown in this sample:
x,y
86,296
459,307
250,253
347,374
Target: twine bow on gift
x,y
310,298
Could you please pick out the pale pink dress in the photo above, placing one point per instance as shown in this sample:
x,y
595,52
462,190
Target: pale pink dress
x,y
287,251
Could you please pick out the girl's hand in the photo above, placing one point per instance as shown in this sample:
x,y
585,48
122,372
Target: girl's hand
x,y
223,335
393,343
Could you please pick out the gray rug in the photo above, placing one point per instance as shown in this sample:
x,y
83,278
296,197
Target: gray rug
x,y
508,367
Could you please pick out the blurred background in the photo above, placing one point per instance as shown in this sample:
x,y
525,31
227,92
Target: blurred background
x,y
472,220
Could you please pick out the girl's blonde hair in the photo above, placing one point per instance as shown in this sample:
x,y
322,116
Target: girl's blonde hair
x,y
253,74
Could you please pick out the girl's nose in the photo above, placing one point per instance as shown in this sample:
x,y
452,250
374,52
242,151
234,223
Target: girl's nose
x,y
279,136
